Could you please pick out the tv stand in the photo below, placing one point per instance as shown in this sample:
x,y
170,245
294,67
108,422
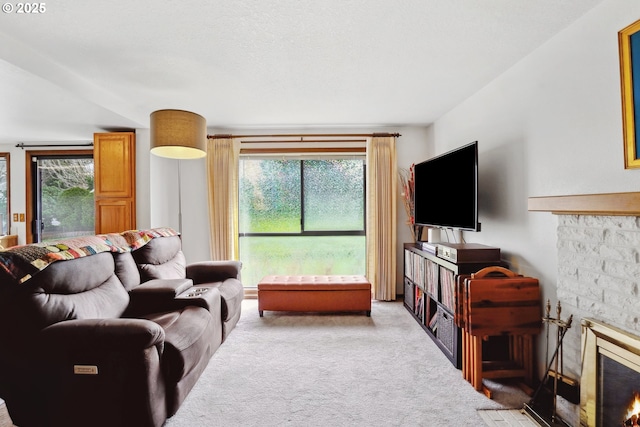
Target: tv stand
x,y
430,284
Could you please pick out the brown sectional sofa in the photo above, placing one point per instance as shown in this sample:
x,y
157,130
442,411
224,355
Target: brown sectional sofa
x,y
113,338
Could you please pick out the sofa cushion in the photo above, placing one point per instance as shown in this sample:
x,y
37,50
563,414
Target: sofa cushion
x,y
82,288
161,258
127,270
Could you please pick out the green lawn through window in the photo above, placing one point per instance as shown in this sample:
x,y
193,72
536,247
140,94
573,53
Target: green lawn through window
x,y
262,256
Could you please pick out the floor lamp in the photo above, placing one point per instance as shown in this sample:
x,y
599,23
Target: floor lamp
x,y
178,134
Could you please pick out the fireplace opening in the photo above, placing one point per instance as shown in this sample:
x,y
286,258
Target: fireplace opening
x,y
610,379
619,393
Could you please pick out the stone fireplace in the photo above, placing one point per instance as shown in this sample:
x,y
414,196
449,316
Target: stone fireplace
x,y
599,284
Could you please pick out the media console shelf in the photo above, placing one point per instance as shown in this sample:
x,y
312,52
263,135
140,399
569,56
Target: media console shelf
x,y
430,295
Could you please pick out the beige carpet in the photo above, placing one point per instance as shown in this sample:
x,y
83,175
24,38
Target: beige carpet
x,y
330,370
5,420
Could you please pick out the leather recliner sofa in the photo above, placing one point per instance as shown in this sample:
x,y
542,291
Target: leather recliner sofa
x,y
112,338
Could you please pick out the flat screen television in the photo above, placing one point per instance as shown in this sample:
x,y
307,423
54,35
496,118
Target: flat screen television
x,y
446,190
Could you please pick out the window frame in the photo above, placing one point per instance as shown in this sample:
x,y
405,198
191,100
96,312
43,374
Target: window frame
x,y
250,290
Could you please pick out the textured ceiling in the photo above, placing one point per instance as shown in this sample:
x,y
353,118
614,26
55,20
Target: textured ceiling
x,y
85,66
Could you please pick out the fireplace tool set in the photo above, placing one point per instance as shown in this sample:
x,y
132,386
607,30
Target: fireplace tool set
x,y
543,405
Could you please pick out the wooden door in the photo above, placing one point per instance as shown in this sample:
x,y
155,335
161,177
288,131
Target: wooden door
x,y
115,181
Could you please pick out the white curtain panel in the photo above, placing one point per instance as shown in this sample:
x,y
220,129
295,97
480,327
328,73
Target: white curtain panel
x,y
382,190
222,173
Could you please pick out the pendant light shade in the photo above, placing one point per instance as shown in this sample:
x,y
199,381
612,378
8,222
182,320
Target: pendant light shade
x,y
178,134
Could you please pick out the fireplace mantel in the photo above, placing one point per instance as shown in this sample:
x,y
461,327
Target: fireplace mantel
x,y
588,204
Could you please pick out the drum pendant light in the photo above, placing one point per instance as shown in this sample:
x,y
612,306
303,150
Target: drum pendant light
x,y
178,134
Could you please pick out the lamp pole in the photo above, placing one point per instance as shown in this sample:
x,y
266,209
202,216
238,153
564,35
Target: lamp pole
x,y
179,197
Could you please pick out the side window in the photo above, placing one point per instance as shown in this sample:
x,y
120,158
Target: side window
x,y
61,202
4,194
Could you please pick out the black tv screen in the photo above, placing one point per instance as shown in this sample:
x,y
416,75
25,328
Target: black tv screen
x,y
446,190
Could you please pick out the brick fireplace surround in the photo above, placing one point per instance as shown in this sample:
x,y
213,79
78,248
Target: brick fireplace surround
x,y
598,272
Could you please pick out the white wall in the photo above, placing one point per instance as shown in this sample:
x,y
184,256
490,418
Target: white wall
x,y
143,179
163,203
551,125
413,146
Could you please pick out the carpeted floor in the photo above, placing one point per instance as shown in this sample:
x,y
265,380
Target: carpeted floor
x,y
5,420
329,370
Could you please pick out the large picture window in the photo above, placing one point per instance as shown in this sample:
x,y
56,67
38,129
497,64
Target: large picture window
x,y
301,216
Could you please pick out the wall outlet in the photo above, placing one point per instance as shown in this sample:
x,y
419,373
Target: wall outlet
x,y
15,217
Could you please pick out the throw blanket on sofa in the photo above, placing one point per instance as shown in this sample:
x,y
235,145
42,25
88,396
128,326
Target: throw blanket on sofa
x,y
20,263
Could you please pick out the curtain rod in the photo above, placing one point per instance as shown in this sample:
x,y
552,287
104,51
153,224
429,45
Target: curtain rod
x,y
306,135
278,141
23,145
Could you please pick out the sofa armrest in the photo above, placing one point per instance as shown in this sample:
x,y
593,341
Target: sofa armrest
x,y
205,297
160,295
155,295
133,334
213,271
168,288
103,372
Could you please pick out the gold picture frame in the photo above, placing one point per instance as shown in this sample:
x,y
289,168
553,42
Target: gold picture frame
x,y
629,44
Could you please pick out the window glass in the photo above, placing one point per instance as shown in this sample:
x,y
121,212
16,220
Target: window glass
x,y
301,216
333,194
65,200
4,193
270,196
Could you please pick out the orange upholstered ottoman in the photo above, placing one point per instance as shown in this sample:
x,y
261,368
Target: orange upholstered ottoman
x,y
314,293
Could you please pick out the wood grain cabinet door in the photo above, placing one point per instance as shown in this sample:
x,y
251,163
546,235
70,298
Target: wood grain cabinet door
x,y
115,178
